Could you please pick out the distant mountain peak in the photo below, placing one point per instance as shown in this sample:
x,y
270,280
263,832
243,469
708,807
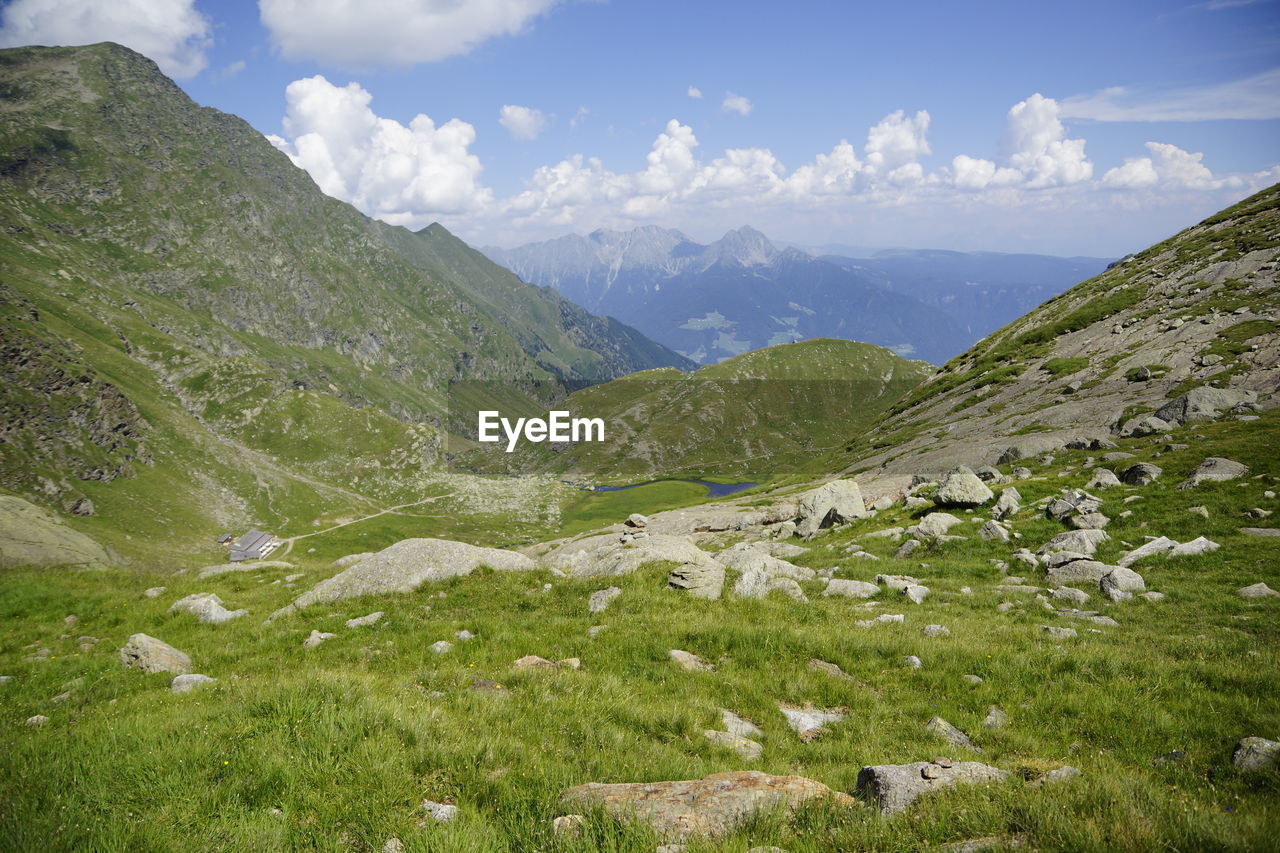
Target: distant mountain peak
x,y
744,246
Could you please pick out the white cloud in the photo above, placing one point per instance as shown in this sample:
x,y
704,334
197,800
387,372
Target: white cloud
x,y
694,92
1168,166
391,32
579,117
897,141
170,32
385,169
737,104
969,173
831,174
522,122
1039,147
1256,97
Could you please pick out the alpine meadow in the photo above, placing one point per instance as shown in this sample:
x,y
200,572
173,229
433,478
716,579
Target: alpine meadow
x,y
322,530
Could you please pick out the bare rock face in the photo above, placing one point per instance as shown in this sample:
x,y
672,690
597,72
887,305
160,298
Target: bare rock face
x,y
961,487
1203,404
711,807
830,503
618,559
33,536
700,581
151,655
894,787
1215,469
405,566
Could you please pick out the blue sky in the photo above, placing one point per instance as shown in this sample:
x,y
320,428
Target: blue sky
x,y
1085,128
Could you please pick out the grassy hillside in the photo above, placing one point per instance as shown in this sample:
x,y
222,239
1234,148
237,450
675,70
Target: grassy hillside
x,y
751,417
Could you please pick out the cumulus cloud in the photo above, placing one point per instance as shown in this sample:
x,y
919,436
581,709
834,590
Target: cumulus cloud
x,y
522,122
1039,147
972,173
694,92
736,104
1168,166
385,169
1256,97
170,32
391,32
897,141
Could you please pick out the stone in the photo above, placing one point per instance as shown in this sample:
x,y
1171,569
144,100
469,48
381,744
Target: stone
x,y
906,549
1080,541
827,668
1068,593
1141,474
1214,469
950,733
989,474
316,638
37,720
155,591
882,503
1254,754
595,630
1159,545
637,520
936,631
747,749
916,593
1088,521
1007,505
1024,555
187,683
894,787
1199,545
365,621
464,635
995,719
970,678
1123,580
440,647
739,726
1103,478
850,588
405,566
831,503
961,487
1152,596
933,525
1203,404
689,661
151,655
710,808
1268,532
1202,511
440,812
809,722
1062,774
392,845
1144,426
206,607
994,531
898,583
912,661
533,662
1056,633
568,826
601,598
699,580
787,587
882,619
786,530
1258,590
33,536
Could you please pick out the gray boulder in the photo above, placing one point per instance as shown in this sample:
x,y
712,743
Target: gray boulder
x,y
1120,584
1215,469
851,589
950,734
808,722
1007,505
405,566
151,655
831,503
365,621
699,580
1056,633
206,607
1254,754
1141,474
994,531
1258,590
1203,404
316,638
1088,572
894,787
933,525
961,487
739,726
1103,478
916,593
1079,541
1069,593
1145,425
601,598
189,682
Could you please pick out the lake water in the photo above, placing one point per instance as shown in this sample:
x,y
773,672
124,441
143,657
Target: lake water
x,y
715,490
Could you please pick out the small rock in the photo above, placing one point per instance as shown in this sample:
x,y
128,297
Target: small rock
x,y
1062,774
995,719
441,812
464,635
827,668
364,621
206,607
637,520
936,631
950,733
155,591
316,638
37,720
746,748
916,593
850,588
601,598
1067,593
393,845
569,825
690,662
1258,590
441,647
187,683
533,662
894,787
972,679
1202,511
1057,633
906,549
739,726
1254,754
594,630
912,661
151,655
1141,474
809,722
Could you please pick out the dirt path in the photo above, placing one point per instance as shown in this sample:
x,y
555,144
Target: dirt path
x,y
288,541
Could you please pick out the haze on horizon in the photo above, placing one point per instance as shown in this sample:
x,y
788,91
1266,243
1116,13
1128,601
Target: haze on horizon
x,y
1094,130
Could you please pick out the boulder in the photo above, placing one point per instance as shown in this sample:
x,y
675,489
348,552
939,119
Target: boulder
x,y
963,488
206,607
851,588
1056,633
994,531
710,808
808,722
1254,754
1079,541
933,525
365,621
187,683
1214,469
1141,474
896,582
936,631
739,726
995,719
151,655
950,734
1121,583
1203,404
316,638
1103,478
1258,590
1007,505
831,503
744,558
601,598
894,787
1070,593
405,566
637,520
699,580
1145,425
916,593
689,662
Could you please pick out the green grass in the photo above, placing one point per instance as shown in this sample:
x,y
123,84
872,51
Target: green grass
x,y
346,739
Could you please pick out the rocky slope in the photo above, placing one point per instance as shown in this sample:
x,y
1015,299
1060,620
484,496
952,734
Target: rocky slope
x,y
1200,310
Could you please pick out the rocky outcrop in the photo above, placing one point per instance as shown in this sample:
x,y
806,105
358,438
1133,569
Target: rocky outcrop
x,y
830,503
963,488
206,607
405,566
33,536
894,787
151,655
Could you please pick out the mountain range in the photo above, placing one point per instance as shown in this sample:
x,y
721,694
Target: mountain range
x,y
742,292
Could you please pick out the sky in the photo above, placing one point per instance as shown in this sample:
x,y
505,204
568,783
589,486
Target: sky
x,y
1088,128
